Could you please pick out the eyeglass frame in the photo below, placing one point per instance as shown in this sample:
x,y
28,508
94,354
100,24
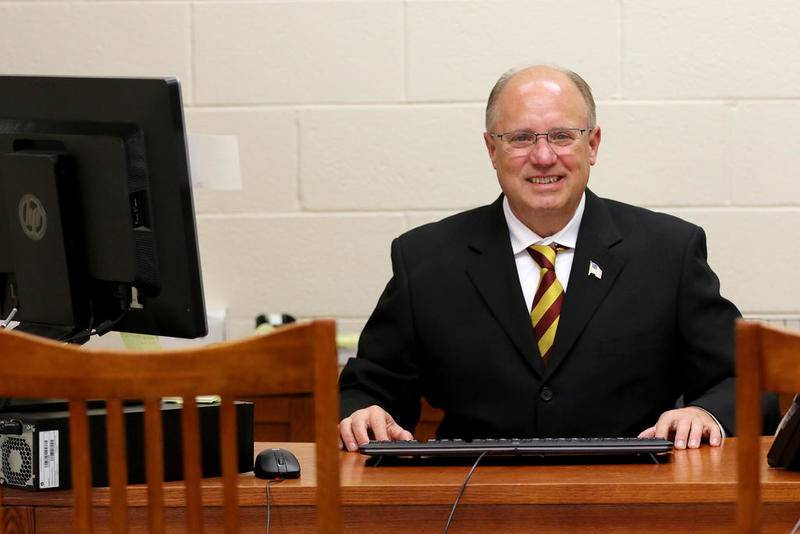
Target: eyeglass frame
x,y
536,136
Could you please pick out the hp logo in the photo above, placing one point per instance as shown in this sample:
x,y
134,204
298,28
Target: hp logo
x,y
32,217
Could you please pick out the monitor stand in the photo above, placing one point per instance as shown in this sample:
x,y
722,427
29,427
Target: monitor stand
x,y
56,333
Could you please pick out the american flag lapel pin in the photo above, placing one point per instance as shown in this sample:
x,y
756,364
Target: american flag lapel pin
x,y
595,270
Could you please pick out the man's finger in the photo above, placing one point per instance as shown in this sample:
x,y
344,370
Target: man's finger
x,y
377,422
682,432
714,435
696,432
346,434
664,425
398,433
648,433
360,428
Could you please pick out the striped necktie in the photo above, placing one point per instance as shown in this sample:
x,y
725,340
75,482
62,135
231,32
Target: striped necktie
x,y
549,297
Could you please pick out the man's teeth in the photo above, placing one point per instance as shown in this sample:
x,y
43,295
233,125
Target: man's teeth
x,y
543,180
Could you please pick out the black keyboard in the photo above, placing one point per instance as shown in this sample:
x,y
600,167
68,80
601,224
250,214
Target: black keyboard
x,y
544,447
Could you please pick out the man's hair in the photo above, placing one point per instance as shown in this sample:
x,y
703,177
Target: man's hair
x,y
580,83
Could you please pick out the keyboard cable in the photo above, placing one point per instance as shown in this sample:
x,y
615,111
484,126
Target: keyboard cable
x,y
461,492
268,507
267,526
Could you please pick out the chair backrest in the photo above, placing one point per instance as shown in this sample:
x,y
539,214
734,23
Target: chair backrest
x,y
767,359
293,359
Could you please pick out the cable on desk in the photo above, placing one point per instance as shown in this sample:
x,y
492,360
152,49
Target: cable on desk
x,y
268,512
8,319
461,492
83,335
267,486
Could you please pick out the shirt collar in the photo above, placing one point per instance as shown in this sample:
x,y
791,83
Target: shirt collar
x,y
522,237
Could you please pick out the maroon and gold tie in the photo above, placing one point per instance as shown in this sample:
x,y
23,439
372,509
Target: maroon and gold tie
x,y
549,297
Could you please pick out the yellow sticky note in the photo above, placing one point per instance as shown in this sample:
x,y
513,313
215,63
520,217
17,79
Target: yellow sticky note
x,y
140,341
347,341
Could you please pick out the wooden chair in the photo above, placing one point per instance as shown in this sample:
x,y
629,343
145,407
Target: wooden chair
x,y
767,359
292,359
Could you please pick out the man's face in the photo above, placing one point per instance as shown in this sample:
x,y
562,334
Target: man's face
x,y
543,184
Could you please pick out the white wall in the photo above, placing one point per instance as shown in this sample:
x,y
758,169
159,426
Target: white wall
x,y
359,120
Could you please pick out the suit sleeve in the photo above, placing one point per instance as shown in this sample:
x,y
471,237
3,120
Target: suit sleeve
x,y
706,323
386,371
707,329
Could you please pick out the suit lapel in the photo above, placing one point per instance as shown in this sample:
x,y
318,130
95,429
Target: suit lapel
x,y
596,237
491,268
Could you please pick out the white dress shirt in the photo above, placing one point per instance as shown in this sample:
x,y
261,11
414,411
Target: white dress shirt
x,y
522,237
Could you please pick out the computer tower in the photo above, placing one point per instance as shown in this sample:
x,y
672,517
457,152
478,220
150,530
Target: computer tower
x,y
35,455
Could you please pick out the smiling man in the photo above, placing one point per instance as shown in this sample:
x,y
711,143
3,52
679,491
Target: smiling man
x,y
550,312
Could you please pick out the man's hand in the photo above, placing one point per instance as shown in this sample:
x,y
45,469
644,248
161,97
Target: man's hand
x,y
354,430
688,425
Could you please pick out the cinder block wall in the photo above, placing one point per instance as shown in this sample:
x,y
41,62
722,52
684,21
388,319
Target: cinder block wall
x,y
359,120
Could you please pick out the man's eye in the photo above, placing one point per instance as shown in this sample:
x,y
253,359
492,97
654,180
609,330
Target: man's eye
x,y
562,135
520,137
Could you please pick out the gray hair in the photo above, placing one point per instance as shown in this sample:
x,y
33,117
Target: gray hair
x,y
580,83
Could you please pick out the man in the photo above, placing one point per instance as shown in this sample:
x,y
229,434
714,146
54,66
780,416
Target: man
x,y
631,321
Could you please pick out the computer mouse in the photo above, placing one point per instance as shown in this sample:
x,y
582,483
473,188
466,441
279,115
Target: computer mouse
x,y
276,463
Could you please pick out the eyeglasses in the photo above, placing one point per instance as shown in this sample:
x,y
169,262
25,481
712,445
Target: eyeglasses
x,y
559,139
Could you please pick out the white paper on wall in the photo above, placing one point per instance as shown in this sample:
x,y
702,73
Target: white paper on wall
x,y
214,162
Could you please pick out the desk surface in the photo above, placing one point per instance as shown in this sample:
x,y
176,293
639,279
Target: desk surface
x,y
695,491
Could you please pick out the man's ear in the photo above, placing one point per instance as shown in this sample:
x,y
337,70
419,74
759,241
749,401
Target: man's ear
x,y
594,144
491,147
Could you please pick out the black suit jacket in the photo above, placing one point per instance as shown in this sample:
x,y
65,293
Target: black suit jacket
x,y
452,326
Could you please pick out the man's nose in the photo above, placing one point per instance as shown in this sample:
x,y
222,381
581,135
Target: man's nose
x,y
542,153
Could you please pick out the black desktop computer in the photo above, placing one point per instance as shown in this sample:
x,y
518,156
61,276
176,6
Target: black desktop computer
x,y
97,224
97,231
35,448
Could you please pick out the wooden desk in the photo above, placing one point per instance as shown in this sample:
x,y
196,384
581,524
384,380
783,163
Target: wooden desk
x,y
693,493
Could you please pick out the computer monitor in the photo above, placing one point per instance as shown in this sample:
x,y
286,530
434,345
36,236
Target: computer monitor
x,y
785,450
97,227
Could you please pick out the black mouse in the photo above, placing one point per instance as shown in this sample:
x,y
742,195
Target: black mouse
x,y
276,463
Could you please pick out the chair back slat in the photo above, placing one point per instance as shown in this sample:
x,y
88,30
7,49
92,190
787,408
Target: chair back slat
x,y
767,359
748,425
326,401
191,465
229,463
117,466
154,461
294,359
81,465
